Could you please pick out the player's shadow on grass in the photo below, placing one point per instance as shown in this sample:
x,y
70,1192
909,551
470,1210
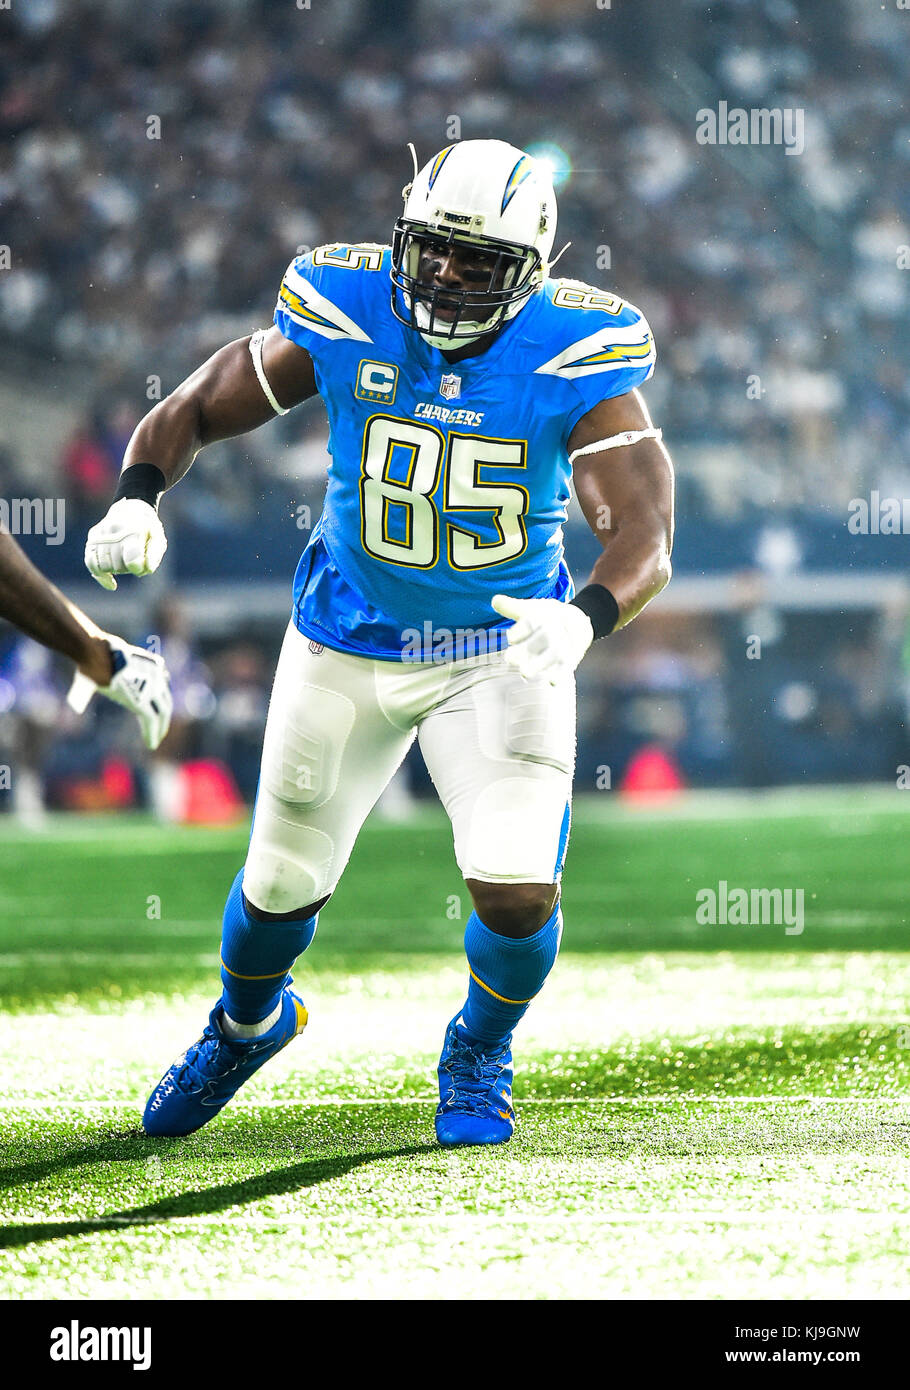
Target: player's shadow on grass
x,y
123,1147
277,1183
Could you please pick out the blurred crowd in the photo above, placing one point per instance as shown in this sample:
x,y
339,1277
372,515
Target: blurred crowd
x,y
756,698
156,178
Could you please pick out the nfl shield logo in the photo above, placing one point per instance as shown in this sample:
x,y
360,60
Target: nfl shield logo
x,y
316,648
450,386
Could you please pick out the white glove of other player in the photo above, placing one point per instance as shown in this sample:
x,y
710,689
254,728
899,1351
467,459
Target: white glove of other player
x,y
548,638
129,540
140,684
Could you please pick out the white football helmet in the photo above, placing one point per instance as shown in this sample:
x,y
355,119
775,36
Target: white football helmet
x,y
489,195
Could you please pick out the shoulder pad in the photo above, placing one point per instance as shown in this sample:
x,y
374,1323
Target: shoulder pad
x,y
322,291
600,332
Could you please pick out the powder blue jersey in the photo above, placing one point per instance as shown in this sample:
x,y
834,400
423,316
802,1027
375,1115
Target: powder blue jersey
x,y
448,483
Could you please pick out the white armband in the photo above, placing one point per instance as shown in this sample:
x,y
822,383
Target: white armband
x,y
616,441
256,354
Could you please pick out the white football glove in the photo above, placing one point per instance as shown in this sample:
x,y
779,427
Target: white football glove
x,y
129,540
140,684
548,638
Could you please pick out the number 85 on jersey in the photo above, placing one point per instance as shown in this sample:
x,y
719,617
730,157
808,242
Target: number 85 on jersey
x,y
400,472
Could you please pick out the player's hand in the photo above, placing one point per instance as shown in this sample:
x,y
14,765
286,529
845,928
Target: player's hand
x,y
140,683
129,540
548,638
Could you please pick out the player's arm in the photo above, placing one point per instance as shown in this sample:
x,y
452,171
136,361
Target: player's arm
x,y
128,675
625,490
235,391
36,607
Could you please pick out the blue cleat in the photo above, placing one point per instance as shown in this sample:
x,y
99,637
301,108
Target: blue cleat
x,y
475,1091
204,1079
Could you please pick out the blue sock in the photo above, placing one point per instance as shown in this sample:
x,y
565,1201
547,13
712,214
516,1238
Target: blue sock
x,y
256,958
506,973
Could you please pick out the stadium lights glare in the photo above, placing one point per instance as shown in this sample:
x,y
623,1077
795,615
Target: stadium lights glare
x,y
555,159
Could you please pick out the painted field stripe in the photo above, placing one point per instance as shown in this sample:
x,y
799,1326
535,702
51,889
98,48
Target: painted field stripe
x,y
33,1103
559,1220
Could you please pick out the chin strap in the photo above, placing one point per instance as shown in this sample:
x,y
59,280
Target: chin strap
x,y
452,344
558,255
616,441
443,342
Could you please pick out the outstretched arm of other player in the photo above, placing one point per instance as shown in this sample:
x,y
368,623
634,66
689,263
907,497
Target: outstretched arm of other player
x,y
222,398
626,494
128,675
36,607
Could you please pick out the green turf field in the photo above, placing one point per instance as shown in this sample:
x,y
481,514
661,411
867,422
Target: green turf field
x,y
705,1111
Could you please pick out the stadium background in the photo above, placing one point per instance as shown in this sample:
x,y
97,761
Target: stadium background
x,y
773,284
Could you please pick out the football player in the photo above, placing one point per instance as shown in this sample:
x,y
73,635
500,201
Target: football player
x,y
127,675
465,389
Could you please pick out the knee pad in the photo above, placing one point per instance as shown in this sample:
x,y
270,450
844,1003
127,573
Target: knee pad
x,y
296,914
279,877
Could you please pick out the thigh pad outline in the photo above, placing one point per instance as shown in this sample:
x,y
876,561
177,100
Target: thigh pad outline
x,y
302,761
540,724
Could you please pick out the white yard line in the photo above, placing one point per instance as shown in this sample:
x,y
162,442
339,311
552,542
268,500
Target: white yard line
x,y
559,1220
32,1103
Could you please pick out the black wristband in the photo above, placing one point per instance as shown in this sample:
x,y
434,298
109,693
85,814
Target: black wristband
x,y
600,606
143,481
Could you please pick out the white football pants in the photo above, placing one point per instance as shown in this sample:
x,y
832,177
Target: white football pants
x,y
500,750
